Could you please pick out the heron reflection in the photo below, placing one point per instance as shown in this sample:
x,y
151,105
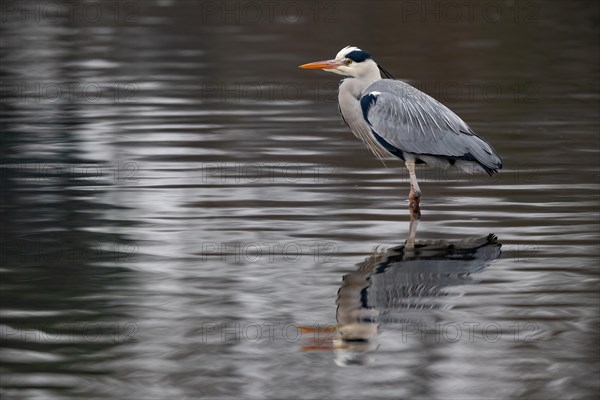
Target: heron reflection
x,y
398,285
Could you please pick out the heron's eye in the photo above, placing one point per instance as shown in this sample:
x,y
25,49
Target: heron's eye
x,y
348,62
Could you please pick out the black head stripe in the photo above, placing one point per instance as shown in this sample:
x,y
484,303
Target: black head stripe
x,y
385,72
358,55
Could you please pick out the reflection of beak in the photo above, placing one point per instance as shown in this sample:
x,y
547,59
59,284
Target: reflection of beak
x,y
327,64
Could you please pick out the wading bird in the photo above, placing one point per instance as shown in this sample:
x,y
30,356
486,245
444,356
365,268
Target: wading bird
x,y
394,119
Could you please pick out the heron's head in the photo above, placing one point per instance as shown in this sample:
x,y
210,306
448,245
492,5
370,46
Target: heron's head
x,y
350,61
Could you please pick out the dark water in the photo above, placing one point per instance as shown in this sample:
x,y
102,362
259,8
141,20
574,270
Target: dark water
x,y
181,204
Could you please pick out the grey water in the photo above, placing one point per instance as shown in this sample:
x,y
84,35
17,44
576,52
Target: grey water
x,y
185,215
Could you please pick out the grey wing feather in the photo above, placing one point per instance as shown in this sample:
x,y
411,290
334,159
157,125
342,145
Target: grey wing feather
x,y
413,122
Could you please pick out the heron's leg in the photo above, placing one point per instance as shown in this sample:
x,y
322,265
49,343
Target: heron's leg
x,y
415,191
415,216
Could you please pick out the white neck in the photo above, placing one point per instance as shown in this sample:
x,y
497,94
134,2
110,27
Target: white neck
x,y
355,87
369,72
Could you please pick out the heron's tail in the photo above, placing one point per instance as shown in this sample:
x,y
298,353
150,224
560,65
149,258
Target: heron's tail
x,y
484,156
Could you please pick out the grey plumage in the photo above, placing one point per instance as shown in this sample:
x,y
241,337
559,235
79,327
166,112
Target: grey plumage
x,y
415,123
394,119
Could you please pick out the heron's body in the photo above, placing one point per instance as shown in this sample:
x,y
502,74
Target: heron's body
x,y
394,119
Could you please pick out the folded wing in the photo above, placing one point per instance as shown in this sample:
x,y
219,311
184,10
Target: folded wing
x,y
406,120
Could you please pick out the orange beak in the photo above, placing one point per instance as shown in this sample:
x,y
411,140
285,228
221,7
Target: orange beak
x,y
327,64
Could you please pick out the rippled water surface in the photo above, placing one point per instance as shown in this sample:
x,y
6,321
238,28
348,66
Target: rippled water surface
x,y
185,215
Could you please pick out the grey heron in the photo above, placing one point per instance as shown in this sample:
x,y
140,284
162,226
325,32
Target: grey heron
x,y
394,119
